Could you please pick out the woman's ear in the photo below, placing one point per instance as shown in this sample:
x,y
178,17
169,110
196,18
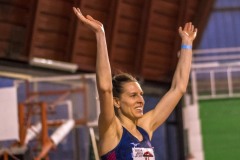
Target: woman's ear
x,y
116,102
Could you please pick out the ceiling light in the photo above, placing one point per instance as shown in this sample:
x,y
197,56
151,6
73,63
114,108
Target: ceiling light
x,y
53,64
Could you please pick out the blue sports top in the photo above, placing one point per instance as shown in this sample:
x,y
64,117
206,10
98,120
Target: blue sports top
x,y
123,151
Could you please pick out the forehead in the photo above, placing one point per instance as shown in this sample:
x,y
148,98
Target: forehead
x,y
130,87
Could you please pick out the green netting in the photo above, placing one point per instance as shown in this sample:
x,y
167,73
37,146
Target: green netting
x,y
220,121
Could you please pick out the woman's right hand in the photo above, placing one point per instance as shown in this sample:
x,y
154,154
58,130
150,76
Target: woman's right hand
x,y
93,24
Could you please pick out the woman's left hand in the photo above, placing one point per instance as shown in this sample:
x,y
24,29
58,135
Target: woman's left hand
x,y
188,33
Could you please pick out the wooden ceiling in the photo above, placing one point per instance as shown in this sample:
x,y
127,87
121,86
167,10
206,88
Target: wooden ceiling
x,y
142,35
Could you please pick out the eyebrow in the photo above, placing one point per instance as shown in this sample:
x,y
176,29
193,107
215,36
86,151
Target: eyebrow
x,y
134,92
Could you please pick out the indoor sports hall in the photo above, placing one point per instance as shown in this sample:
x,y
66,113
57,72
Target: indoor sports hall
x,y
50,105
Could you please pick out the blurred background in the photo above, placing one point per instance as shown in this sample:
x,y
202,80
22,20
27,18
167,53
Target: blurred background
x,y
49,104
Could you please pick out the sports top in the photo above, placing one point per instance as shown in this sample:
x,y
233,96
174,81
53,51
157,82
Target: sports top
x,y
130,148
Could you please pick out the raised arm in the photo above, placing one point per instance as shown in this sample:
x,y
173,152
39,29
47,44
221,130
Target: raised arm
x,y
165,106
103,70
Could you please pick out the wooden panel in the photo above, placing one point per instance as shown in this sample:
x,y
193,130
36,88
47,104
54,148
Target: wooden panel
x,y
129,26
88,48
166,8
48,53
95,5
162,21
85,62
191,10
142,35
52,30
159,40
162,63
127,35
84,47
125,55
161,48
53,23
15,22
161,34
126,40
181,20
130,11
119,66
14,15
59,8
50,40
17,3
4,48
156,75
138,3
86,34
96,13
6,31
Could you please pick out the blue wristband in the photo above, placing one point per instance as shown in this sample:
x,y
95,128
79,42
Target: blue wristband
x,y
184,46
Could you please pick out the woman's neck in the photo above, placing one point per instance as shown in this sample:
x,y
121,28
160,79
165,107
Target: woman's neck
x,y
131,126
128,123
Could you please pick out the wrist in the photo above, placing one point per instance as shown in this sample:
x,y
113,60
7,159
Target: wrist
x,y
187,41
186,44
100,34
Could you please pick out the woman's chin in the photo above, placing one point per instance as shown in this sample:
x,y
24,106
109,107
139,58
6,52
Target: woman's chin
x,y
139,115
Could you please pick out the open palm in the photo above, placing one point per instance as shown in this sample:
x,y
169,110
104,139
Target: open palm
x,y
93,24
189,32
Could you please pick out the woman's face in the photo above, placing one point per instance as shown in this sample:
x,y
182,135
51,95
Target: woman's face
x,y
131,101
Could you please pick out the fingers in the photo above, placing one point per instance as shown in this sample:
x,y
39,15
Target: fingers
x,y
195,31
186,27
189,31
182,31
92,19
78,13
89,21
192,28
79,10
189,28
86,19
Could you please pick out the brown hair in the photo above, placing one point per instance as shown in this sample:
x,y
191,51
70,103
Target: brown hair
x,y
117,82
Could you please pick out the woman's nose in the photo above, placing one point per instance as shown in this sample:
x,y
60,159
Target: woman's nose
x,y
141,99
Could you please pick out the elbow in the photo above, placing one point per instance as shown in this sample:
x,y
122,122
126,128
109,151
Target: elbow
x,y
104,85
181,89
105,88
104,92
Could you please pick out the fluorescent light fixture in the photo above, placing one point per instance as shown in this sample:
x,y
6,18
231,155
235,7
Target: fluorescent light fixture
x,y
53,64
